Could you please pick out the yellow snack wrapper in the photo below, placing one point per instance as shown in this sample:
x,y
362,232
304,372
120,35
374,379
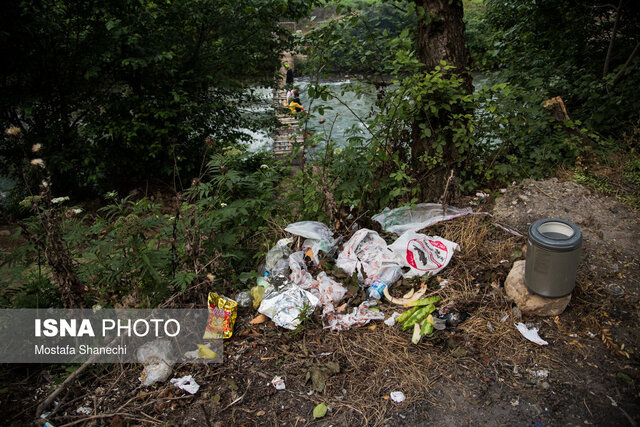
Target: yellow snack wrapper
x,y
222,316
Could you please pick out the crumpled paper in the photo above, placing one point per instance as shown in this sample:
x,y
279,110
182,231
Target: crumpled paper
x,y
360,316
365,252
283,306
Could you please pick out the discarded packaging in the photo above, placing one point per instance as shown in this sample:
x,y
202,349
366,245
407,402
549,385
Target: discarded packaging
x,y
325,288
285,305
205,352
277,253
364,253
222,317
257,292
403,219
84,410
388,276
360,316
244,299
319,236
530,333
186,383
397,396
278,383
422,254
158,357
392,319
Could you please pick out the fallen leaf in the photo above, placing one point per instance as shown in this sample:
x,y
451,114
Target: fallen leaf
x,y
259,319
232,385
318,379
215,399
320,410
333,367
260,413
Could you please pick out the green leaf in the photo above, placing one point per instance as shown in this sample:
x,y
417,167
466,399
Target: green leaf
x,y
320,410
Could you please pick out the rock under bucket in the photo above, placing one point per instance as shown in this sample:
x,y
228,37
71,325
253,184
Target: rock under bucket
x,y
553,251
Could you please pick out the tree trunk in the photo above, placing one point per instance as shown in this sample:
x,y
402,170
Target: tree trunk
x,y
441,35
440,38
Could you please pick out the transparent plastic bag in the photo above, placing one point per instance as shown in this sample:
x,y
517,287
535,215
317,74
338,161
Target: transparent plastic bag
x,y
405,218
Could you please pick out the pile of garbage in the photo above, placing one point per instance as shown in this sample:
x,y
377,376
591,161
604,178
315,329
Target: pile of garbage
x,y
287,289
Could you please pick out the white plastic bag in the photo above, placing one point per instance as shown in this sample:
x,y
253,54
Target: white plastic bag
x,y
365,252
404,218
319,236
421,253
158,358
360,316
325,288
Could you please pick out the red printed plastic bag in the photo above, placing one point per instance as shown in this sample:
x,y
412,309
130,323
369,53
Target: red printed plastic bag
x,y
421,253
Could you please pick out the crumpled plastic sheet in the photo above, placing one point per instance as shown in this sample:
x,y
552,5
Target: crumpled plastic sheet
x,y
284,305
403,219
318,236
360,316
365,252
158,358
186,383
280,251
530,333
325,288
421,253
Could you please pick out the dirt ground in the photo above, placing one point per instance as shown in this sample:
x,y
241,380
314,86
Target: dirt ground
x,y
482,372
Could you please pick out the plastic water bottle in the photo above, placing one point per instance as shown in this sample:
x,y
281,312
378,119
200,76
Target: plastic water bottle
x,y
388,277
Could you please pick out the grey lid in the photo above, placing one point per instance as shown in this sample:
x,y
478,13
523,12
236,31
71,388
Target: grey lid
x,y
555,234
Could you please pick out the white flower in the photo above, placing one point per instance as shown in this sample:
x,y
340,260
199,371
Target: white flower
x,y
263,166
337,151
77,211
57,200
44,183
36,147
224,205
37,162
12,131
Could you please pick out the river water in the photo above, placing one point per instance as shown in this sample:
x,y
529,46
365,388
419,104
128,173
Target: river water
x,y
342,116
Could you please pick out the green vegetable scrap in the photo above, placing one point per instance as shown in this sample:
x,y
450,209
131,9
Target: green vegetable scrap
x,y
419,317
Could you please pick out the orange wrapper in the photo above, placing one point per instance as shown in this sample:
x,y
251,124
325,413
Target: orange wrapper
x,y
222,316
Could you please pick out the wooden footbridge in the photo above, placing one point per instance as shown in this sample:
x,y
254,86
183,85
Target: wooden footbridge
x,y
288,135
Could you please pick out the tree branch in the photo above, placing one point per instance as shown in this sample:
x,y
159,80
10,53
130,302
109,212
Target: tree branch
x,y
607,60
620,73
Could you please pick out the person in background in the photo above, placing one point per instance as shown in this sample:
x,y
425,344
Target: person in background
x,y
295,106
289,76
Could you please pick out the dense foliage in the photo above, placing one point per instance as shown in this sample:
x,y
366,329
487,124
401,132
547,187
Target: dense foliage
x,y
584,51
124,91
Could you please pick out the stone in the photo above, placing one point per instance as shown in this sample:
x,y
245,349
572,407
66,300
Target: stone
x,y
528,303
